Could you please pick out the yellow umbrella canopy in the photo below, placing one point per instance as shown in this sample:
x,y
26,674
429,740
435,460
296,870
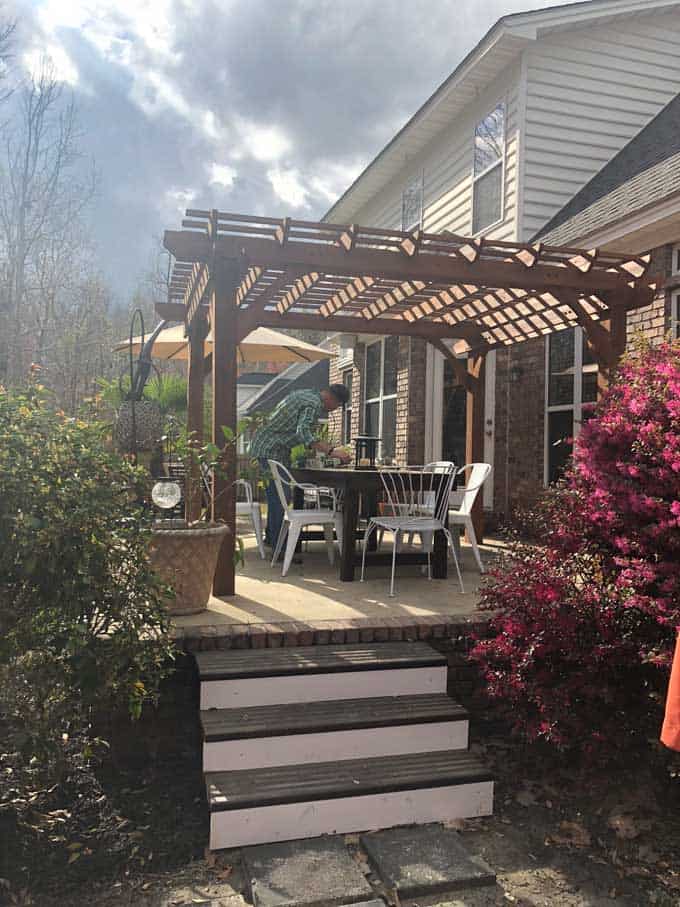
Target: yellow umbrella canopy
x,y
261,345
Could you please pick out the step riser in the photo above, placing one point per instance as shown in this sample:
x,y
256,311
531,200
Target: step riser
x,y
296,749
290,821
255,691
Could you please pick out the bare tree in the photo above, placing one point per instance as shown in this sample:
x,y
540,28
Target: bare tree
x,y
41,201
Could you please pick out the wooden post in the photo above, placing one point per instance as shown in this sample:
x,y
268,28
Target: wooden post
x,y
195,403
223,318
474,435
614,330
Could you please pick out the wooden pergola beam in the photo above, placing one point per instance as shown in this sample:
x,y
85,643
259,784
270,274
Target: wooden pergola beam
x,y
350,324
327,258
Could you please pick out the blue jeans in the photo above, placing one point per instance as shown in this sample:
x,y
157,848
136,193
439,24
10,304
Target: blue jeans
x,y
274,511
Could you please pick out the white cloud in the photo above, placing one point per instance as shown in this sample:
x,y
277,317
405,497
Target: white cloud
x,y
222,174
333,179
287,185
178,199
51,57
266,143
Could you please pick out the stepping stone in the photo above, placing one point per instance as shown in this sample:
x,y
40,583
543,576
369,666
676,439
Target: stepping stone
x,y
423,860
314,873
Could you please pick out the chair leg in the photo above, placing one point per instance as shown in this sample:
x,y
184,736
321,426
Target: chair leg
x,y
257,526
381,533
470,529
429,564
279,542
330,544
449,539
338,531
395,545
369,529
291,543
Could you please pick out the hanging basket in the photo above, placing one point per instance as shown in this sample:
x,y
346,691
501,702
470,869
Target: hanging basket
x,y
186,559
139,425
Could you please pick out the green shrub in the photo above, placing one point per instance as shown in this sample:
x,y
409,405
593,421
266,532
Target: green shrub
x,y
82,622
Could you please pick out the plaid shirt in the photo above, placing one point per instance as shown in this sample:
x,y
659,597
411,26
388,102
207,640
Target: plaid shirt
x,y
292,422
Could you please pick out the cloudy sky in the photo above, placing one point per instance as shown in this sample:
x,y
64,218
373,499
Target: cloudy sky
x,y
257,106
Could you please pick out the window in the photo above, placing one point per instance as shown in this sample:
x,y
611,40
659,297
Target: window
x,y
412,204
675,260
571,389
675,314
380,409
487,173
347,379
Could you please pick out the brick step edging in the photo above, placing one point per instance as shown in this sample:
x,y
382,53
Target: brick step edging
x,y
325,632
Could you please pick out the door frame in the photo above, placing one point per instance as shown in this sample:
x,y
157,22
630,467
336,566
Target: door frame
x,y
434,412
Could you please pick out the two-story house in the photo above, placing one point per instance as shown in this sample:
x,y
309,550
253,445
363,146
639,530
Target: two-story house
x,y
502,149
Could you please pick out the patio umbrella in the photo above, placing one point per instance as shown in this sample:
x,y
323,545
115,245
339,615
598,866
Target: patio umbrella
x,y
261,345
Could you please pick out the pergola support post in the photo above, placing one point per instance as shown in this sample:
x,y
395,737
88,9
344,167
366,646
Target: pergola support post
x,y
614,331
197,334
474,436
223,317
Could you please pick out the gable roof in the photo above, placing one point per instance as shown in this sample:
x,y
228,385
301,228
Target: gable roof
x,y
501,46
646,171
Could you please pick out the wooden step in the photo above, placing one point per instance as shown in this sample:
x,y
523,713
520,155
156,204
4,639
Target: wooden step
x,y
258,677
296,733
257,806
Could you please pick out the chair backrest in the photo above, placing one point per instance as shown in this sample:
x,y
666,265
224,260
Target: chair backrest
x,y
247,490
282,479
478,474
419,491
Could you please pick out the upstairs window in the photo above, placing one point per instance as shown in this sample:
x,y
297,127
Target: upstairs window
x,y
412,205
487,174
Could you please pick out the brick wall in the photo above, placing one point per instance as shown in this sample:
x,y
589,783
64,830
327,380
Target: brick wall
x,y
519,427
654,321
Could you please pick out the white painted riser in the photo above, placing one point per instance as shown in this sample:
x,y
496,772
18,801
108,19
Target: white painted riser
x,y
290,821
296,749
254,691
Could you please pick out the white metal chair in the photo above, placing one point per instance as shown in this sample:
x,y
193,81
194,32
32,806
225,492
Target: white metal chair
x,y
250,507
417,502
428,498
462,516
295,519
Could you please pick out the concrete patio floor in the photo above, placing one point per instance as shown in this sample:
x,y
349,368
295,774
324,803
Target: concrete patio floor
x,y
311,597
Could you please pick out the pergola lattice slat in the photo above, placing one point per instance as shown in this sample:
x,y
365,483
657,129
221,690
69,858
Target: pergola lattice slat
x,y
465,295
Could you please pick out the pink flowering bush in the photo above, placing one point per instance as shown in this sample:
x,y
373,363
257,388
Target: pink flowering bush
x,y
586,621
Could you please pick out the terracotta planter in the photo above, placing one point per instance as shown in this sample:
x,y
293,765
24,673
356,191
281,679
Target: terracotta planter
x,y
186,559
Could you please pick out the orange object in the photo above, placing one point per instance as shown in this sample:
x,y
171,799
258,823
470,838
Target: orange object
x,y
670,732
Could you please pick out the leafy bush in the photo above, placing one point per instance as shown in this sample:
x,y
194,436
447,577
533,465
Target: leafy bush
x,y
82,622
586,621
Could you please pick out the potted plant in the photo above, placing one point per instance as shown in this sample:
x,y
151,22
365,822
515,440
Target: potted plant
x,y
184,551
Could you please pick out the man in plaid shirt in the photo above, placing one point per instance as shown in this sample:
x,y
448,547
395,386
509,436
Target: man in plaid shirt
x,y
293,422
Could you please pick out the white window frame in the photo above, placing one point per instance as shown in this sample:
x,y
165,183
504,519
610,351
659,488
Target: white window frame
x,y
675,314
576,405
675,260
348,409
382,396
502,102
417,183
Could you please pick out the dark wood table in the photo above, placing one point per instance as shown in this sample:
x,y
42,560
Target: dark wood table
x,y
366,484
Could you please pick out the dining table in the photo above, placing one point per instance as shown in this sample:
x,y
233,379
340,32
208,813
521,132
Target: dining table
x,y
361,490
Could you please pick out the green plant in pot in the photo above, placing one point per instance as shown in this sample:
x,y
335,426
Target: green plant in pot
x,y
184,552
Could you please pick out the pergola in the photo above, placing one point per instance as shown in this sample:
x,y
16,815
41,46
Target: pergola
x,y
465,296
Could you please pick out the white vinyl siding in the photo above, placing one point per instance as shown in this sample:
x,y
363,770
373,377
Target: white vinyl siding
x,y
446,169
589,91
